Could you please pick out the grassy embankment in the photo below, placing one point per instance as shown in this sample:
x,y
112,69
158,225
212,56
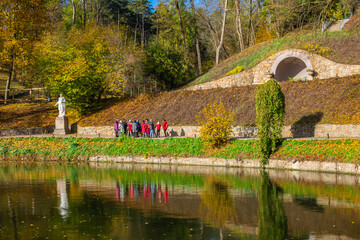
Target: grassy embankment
x,y
73,148
340,47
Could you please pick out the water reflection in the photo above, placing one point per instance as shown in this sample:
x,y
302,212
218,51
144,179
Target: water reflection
x,y
64,204
217,206
142,191
102,203
271,213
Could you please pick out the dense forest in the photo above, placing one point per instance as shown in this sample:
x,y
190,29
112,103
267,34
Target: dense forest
x,y
88,48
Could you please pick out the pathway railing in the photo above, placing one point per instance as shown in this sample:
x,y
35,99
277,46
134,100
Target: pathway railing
x,y
24,95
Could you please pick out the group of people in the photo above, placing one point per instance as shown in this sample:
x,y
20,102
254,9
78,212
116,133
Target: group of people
x,y
135,129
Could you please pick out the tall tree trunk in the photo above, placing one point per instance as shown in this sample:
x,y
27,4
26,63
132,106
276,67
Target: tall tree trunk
x,y
84,10
98,9
126,34
8,81
212,30
225,52
118,19
143,31
217,57
275,20
73,12
249,35
198,55
137,23
238,26
181,24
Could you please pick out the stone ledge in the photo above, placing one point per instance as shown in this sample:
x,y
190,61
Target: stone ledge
x,y
313,166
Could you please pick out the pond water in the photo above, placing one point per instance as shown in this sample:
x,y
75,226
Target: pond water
x,y
167,202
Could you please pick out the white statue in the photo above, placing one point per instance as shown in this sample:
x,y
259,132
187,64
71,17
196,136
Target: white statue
x,y
61,106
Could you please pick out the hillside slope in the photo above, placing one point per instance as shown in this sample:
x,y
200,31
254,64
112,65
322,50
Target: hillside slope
x,y
331,101
334,101
340,47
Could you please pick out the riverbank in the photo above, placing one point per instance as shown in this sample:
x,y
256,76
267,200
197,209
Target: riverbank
x,y
310,155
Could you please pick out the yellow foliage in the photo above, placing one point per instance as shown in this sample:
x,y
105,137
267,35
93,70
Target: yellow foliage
x,y
316,48
263,33
236,70
216,123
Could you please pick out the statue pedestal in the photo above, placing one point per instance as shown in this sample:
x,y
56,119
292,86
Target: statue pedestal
x,y
62,125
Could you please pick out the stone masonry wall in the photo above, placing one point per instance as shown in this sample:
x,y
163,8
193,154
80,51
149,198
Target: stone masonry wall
x,y
295,131
324,68
26,131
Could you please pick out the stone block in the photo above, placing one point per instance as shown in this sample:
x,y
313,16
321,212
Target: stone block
x,y
61,126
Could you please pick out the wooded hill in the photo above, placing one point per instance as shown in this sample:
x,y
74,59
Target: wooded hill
x,y
86,49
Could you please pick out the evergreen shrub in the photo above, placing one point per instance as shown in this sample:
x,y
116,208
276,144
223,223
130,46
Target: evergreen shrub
x,y
270,113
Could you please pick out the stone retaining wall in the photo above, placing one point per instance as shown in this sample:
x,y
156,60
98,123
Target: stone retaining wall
x,y
324,68
295,131
219,162
26,131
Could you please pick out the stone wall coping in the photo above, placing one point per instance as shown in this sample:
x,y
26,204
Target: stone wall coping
x,y
311,166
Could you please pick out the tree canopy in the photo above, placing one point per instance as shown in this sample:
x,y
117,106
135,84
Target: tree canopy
x,y
88,48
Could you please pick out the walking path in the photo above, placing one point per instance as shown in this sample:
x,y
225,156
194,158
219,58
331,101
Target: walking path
x,y
75,135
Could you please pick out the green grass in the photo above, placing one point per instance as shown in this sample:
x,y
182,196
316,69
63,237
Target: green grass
x,y
347,150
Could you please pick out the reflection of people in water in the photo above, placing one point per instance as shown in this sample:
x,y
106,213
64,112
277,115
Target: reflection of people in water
x,y
153,190
166,194
148,191
144,191
159,193
271,213
117,191
131,191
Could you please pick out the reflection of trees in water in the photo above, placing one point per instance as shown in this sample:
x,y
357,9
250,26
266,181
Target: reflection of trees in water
x,y
217,206
271,213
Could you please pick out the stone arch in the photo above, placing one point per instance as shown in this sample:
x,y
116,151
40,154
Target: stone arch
x,y
291,64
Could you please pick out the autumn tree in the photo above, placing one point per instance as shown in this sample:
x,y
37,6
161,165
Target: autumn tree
x,y
76,64
21,25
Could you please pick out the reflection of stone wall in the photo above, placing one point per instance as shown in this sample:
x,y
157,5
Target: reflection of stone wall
x,y
323,67
319,131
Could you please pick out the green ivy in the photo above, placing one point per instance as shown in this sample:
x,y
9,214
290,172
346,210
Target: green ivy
x,y
270,112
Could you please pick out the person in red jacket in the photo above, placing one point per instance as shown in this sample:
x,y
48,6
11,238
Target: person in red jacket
x,y
116,128
158,127
165,127
143,129
130,128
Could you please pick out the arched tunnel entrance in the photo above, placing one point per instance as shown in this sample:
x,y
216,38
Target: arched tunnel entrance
x,y
291,65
